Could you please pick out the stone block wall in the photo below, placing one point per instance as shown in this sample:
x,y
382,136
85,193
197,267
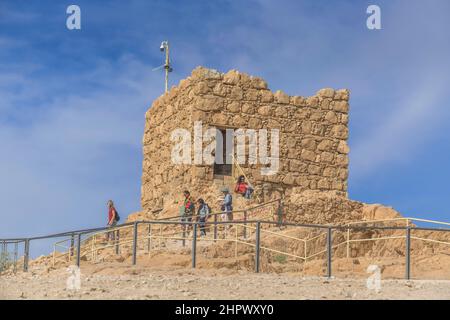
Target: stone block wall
x,y
313,134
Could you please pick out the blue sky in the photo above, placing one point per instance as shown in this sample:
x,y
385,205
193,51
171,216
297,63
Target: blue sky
x,y
72,103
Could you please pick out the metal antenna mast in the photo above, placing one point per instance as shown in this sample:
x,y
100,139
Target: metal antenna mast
x,y
165,47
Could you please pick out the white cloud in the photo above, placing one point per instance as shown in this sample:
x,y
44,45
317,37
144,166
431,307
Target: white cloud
x,y
60,162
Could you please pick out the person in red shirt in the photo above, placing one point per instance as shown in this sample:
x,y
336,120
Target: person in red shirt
x,y
188,203
243,188
188,210
112,219
241,185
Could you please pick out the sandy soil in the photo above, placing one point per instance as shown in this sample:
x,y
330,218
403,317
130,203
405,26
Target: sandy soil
x,y
117,281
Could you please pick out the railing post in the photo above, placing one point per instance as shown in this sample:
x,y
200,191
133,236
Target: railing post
x,y
93,246
78,249
16,249
183,226
194,246
2,252
245,224
149,240
329,251
26,255
258,238
236,240
160,236
348,243
72,245
305,244
280,213
117,241
135,236
408,253
215,227
5,255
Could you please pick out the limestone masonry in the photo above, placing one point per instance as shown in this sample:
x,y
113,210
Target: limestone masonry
x,y
313,134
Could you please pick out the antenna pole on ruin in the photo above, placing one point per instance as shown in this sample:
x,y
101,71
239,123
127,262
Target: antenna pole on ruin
x,y
167,67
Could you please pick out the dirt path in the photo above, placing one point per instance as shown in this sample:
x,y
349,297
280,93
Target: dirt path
x,y
124,282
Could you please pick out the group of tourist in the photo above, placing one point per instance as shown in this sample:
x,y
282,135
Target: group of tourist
x,y
188,212
199,210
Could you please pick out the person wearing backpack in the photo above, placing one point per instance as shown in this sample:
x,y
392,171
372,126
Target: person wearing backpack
x,y
188,207
203,213
113,218
243,188
227,205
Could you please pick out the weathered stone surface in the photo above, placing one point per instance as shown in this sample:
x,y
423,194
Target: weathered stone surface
x,y
231,77
312,102
205,74
339,131
325,145
316,115
313,133
281,112
255,123
309,143
329,172
200,172
248,108
327,157
281,97
289,179
296,166
264,110
326,93
342,94
234,107
251,95
313,169
266,96
302,113
306,127
239,121
331,117
343,147
298,101
202,88
308,155
325,104
341,106
221,90
323,184
258,83
236,93
219,119
208,103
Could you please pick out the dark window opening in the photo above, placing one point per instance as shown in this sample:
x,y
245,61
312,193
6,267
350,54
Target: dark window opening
x,y
223,163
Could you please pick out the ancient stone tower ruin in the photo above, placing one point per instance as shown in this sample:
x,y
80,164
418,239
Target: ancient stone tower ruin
x,y
313,132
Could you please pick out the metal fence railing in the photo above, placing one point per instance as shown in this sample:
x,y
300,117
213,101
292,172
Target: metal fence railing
x,y
267,210
249,233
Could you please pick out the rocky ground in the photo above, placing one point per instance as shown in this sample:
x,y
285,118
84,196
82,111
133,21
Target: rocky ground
x,y
126,282
225,271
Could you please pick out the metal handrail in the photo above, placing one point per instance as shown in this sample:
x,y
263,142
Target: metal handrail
x,y
172,236
232,212
319,226
348,227
407,219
